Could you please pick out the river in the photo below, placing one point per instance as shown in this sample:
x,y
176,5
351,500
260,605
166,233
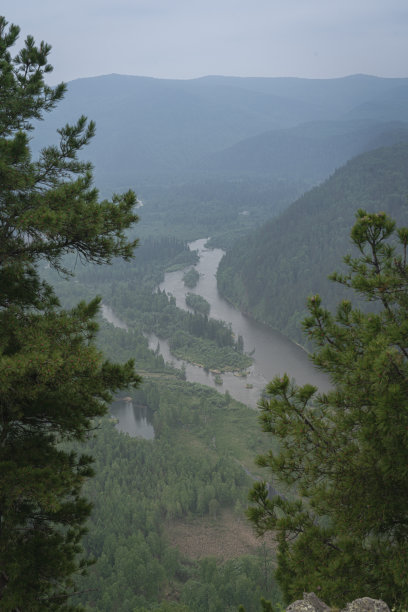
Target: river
x,y
274,354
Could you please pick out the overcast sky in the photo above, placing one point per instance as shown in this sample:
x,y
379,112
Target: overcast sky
x,y
192,38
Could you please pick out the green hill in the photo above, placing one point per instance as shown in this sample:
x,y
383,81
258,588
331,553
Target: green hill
x,y
270,273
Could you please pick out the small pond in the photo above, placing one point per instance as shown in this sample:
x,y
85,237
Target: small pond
x,y
133,419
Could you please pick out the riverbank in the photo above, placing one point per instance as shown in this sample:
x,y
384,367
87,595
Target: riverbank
x,y
252,318
273,354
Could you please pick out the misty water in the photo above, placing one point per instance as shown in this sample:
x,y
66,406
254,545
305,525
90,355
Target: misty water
x,y
110,316
132,419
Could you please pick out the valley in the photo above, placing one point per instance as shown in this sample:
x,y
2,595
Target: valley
x,y
248,189
191,430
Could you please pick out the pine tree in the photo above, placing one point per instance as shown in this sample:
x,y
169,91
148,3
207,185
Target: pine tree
x,y
53,381
342,456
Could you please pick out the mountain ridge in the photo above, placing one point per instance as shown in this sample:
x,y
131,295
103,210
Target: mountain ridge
x,y
148,127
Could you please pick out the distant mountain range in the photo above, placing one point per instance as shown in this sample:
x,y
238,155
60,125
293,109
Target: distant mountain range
x,y
310,151
170,130
218,156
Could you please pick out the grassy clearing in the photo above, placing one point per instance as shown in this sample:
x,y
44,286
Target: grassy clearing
x,y
227,536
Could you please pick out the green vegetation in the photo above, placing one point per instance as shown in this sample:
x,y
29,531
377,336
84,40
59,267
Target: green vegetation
x,y
191,278
191,469
208,354
340,459
195,468
198,304
129,290
221,208
54,382
345,453
270,273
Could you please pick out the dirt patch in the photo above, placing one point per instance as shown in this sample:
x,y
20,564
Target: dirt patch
x,y
227,537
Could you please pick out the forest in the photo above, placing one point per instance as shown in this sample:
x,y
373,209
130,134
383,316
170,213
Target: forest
x,y
221,507
200,459
198,303
186,476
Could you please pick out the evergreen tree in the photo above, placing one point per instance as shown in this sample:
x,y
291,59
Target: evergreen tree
x,y
343,455
53,382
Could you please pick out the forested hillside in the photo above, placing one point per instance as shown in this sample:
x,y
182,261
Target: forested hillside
x,y
271,272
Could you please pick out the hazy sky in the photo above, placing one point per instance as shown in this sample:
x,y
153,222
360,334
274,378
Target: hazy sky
x,y
192,38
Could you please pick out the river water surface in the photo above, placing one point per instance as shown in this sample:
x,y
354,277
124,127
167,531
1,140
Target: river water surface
x,y
273,354
133,420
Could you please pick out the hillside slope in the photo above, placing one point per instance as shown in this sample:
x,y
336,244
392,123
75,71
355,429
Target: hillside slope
x,y
308,152
270,273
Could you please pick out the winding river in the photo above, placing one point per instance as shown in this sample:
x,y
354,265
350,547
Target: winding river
x,y
273,353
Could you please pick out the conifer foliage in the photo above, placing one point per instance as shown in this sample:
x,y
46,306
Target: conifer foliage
x,y
53,381
343,455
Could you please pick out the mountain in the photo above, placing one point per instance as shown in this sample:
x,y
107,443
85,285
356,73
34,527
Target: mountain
x,y
392,103
329,97
309,152
153,127
166,129
270,273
